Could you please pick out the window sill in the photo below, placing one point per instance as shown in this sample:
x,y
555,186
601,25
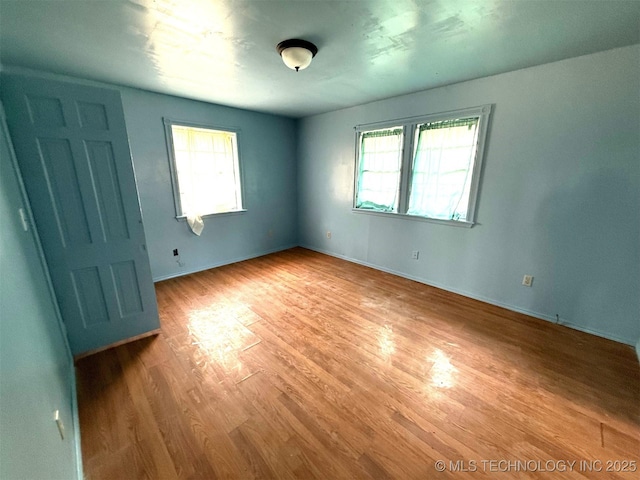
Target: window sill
x,y
453,223
183,218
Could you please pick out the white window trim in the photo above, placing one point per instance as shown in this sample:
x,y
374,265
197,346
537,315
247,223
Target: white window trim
x,y
168,123
409,124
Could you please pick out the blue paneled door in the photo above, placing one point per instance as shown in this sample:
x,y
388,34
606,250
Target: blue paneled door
x,y
73,151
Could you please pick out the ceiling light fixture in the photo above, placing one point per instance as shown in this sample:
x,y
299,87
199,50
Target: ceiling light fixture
x,y
297,54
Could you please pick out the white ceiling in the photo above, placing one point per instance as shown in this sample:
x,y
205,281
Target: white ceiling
x,y
223,51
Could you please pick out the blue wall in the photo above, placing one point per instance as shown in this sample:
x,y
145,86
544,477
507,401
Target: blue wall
x,y
559,197
36,370
267,145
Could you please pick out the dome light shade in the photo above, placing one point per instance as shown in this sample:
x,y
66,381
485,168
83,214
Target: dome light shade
x,y
297,54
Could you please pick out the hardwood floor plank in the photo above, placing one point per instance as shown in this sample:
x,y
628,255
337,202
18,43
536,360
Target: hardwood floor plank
x,y
374,470
297,365
134,377
259,467
619,444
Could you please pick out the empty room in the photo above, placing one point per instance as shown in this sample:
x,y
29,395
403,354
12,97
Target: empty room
x,y
319,239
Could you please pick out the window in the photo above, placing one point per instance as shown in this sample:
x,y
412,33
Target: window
x,y
380,162
205,169
427,167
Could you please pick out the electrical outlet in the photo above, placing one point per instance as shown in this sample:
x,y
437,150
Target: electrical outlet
x,y
175,252
415,254
527,280
329,234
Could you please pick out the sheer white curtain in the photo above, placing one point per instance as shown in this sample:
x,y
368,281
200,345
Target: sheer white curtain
x,y
207,172
379,169
442,168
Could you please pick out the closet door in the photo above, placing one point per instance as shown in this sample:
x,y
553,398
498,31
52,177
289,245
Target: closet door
x,y
72,148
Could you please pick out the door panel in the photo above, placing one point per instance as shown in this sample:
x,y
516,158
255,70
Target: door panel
x,y
45,111
73,151
59,170
92,116
107,190
125,282
89,294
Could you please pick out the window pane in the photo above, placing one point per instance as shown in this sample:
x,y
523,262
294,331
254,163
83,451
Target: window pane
x,y
442,168
207,170
180,138
379,169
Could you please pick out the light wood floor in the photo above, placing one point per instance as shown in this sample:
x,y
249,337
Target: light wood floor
x,y
300,365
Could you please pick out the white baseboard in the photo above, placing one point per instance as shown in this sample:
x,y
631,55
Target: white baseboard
x,y
224,262
484,299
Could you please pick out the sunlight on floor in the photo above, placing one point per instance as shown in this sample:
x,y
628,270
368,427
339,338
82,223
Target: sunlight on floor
x,y
442,372
221,339
386,341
